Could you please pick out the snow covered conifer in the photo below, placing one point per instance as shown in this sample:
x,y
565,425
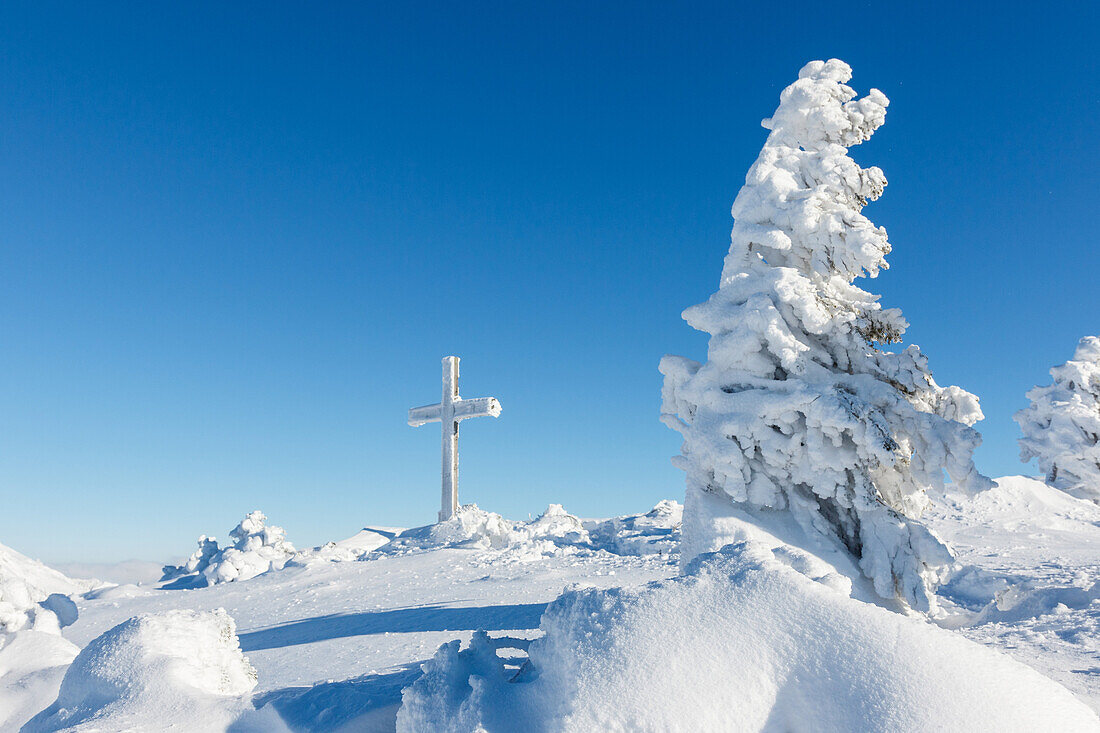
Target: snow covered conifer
x,y
259,547
797,408
1061,426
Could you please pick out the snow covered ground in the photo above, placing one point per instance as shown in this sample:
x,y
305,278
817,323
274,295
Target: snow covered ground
x,y
338,633
1036,554
334,639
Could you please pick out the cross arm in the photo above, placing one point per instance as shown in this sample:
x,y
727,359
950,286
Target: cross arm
x,y
479,407
422,415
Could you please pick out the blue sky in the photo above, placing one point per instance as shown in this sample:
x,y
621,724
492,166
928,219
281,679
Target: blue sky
x,y
236,240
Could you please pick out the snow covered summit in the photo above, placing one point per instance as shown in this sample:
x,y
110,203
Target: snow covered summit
x,y
340,638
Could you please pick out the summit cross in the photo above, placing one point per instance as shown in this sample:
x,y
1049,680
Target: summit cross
x,y
450,411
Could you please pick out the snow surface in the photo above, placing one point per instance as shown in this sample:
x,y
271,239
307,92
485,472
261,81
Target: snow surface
x,y
743,641
32,664
339,631
1029,567
338,634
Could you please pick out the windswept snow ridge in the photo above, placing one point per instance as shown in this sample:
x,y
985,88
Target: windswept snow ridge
x,y
355,547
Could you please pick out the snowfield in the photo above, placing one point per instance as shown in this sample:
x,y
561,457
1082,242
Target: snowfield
x,y
759,636
1032,578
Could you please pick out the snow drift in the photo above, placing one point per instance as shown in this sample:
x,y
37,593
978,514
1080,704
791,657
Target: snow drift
x,y
747,640
353,548
177,668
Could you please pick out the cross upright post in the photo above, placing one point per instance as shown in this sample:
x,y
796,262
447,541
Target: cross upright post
x,y
451,410
449,500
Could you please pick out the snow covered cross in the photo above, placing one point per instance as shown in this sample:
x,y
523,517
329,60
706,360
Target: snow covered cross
x,y
450,412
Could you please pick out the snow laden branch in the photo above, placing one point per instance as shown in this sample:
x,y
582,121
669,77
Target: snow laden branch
x,y
1061,426
798,408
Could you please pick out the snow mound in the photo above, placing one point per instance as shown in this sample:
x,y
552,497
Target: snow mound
x,y
32,664
355,547
1020,512
257,548
744,641
1018,499
27,594
554,532
177,668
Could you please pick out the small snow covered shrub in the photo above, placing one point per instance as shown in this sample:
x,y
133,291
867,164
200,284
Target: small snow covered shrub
x,y
798,409
153,672
257,548
198,562
1061,426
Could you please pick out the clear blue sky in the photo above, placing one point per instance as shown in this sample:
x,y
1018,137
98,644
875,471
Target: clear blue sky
x,y
237,238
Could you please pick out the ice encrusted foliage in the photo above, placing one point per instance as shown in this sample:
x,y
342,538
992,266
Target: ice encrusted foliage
x,y
1061,426
257,548
797,407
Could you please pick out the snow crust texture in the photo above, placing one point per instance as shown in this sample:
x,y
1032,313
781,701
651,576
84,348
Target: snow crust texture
x,y
743,642
154,672
257,548
1061,426
797,409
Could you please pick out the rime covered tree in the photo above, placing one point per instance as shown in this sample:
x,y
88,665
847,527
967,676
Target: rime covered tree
x,y
1061,426
257,547
799,408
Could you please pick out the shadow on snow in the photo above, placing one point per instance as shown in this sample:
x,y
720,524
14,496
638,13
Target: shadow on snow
x,y
399,620
367,703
